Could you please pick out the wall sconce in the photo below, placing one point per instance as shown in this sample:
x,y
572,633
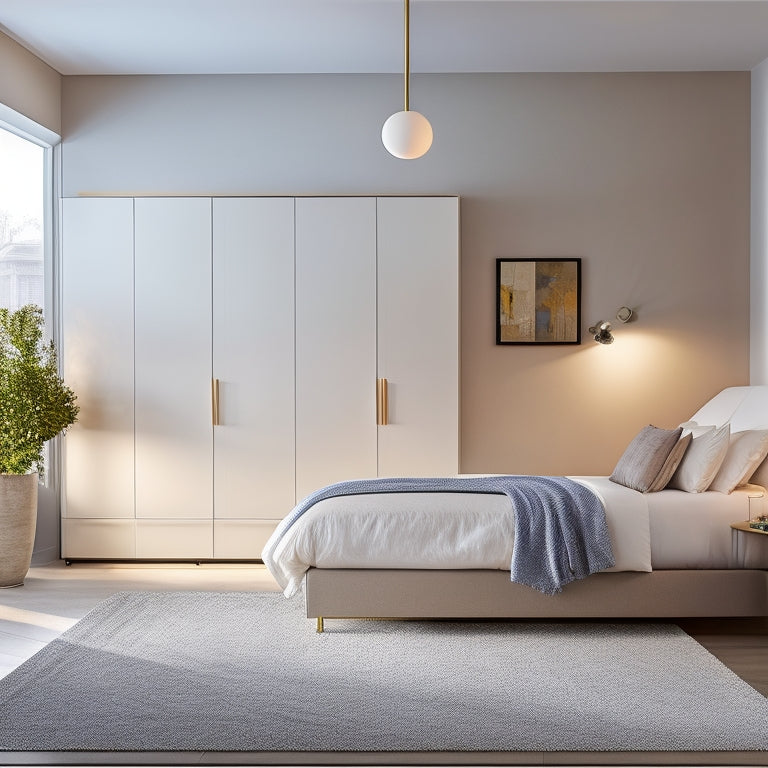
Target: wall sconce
x,y
601,331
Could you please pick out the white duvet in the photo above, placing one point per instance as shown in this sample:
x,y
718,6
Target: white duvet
x,y
435,531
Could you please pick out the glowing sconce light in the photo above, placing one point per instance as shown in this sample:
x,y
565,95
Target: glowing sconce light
x,y
601,331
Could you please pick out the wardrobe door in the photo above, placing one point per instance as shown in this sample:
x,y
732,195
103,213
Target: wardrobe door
x,y
418,334
335,341
97,362
253,361
174,439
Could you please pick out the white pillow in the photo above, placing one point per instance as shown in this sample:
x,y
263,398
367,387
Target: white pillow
x,y
746,451
691,427
702,460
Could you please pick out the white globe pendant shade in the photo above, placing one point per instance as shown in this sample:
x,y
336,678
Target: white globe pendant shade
x,y
407,134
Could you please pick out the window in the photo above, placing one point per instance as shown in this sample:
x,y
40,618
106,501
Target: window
x,y
26,241
22,222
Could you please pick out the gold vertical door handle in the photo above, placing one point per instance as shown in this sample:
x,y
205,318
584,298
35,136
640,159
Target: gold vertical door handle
x,y
382,403
215,402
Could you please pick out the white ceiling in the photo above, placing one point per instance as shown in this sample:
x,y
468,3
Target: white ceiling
x,y
295,36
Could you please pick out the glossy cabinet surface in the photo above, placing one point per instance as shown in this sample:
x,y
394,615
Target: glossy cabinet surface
x,y
294,307
418,335
335,341
97,355
172,295
253,357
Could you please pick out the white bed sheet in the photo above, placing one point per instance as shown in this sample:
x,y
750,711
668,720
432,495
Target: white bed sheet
x,y
435,531
666,530
692,530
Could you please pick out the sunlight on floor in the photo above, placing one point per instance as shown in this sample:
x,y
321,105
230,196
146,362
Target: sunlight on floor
x,y
55,596
136,575
35,618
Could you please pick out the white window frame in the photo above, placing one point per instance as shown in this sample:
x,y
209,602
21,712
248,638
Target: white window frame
x,y
22,126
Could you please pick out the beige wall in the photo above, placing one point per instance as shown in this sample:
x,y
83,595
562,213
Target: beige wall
x,y
643,176
28,85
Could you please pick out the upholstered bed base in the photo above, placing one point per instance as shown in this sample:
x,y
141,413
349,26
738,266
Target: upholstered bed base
x,y
475,594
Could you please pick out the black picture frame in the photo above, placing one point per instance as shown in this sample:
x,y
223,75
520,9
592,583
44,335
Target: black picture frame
x,y
538,301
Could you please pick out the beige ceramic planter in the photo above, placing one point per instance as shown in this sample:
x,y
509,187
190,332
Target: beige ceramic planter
x,y
18,517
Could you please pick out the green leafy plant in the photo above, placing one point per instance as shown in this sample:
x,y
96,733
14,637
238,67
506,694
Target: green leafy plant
x,y
35,404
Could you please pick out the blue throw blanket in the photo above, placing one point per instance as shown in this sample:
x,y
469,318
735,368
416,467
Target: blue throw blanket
x,y
560,527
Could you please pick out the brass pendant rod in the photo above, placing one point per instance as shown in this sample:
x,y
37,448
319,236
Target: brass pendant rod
x,y
407,68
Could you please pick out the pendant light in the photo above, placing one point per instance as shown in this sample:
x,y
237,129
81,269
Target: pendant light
x,y
407,134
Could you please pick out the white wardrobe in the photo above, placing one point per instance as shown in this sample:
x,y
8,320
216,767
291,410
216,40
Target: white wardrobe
x,y
231,355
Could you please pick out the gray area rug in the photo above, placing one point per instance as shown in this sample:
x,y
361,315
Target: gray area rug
x,y
247,671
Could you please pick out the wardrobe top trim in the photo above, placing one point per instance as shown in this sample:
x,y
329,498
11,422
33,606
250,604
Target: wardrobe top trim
x,y
214,197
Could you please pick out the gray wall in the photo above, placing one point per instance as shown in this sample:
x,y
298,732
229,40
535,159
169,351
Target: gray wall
x,y
643,176
758,353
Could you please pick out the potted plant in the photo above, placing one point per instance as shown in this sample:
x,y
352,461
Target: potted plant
x,y
35,406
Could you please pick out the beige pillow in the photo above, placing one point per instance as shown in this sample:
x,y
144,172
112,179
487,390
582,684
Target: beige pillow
x,y
746,451
643,460
702,460
671,464
760,475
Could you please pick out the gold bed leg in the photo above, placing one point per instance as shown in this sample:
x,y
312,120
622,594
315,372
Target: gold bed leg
x,y
320,626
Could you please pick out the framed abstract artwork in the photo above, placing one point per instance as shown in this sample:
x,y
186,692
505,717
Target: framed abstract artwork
x,y
538,301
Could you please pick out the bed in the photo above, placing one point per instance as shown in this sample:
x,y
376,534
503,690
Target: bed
x,y
446,555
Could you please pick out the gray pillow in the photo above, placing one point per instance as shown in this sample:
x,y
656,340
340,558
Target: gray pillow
x,y
671,464
643,460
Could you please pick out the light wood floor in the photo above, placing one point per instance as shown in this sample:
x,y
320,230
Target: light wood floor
x,y
741,644
54,597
